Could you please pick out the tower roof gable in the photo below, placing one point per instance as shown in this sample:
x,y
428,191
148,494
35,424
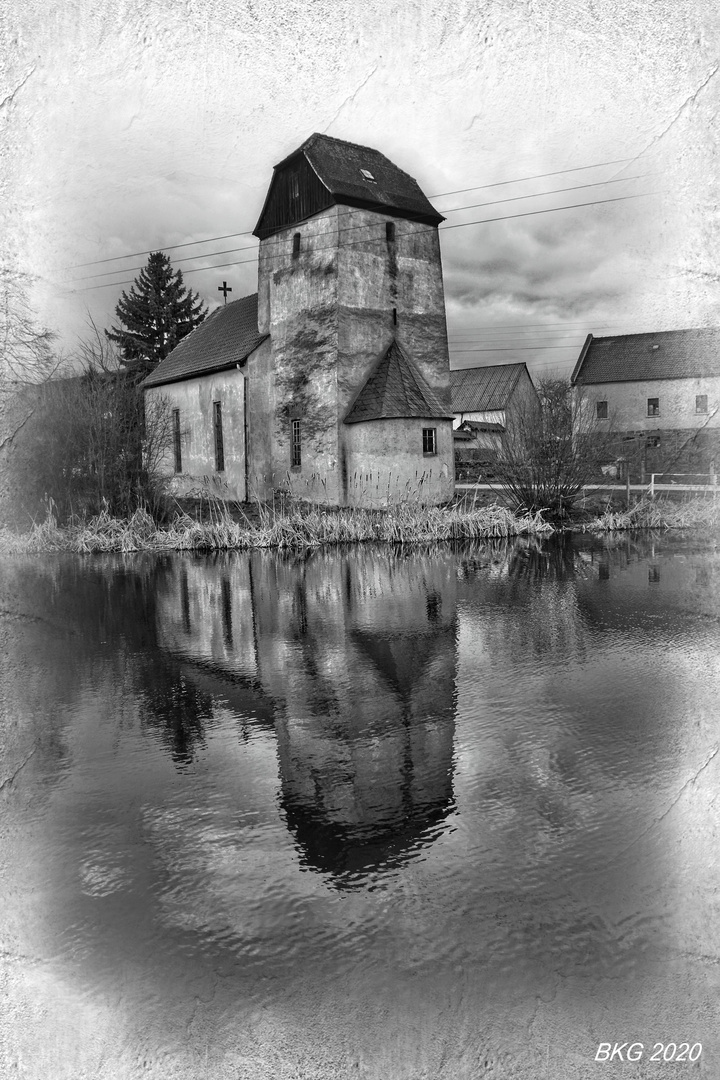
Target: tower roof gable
x,y
349,175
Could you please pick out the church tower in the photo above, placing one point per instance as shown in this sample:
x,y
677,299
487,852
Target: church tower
x,y
355,399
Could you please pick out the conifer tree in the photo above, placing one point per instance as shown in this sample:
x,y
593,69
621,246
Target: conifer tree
x,y
157,313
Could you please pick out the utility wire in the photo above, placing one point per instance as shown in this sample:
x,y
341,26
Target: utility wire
x,y
249,232
309,234
464,224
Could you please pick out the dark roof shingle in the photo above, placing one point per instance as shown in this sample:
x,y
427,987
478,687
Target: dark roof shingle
x,y
225,338
670,354
484,389
395,389
339,164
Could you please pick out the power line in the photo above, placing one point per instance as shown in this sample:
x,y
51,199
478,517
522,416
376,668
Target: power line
x,y
538,176
249,232
460,225
309,234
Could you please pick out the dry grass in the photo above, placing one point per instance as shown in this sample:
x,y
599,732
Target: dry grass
x,y
660,514
295,527
298,526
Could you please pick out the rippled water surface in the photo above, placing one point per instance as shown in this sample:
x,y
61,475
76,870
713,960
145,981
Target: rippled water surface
x,y
378,813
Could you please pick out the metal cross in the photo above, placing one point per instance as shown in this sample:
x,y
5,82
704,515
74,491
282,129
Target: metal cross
x,y
224,289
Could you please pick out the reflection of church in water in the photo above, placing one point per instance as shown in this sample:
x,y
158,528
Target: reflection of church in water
x,y
354,659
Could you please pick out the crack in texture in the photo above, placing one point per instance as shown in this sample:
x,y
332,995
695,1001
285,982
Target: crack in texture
x,y
350,98
8,100
653,824
9,780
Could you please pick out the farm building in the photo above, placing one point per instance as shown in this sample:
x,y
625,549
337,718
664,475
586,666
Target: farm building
x,y
660,393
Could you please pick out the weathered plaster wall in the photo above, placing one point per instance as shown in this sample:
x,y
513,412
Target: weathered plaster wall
x,y
377,276
259,415
627,404
297,305
194,398
385,463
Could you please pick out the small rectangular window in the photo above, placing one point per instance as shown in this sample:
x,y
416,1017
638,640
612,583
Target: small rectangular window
x,y
218,432
177,447
429,440
653,406
601,410
389,231
296,245
295,445
701,403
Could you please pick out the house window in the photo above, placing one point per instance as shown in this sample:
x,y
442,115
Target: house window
x,y
601,410
429,441
294,186
389,231
296,245
218,432
177,448
295,445
653,406
701,403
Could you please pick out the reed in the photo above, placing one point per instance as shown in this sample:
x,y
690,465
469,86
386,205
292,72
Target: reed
x,y
660,514
294,526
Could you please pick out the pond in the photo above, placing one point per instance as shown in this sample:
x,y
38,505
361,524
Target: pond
x,y
383,813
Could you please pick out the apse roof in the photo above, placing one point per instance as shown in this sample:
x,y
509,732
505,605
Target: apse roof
x,y
396,389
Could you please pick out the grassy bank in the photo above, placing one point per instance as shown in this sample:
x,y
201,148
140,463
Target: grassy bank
x,y
296,528
700,513
302,526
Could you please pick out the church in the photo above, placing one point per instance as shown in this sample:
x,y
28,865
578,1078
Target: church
x,y
332,382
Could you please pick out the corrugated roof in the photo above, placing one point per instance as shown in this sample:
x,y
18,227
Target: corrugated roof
x,y
483,389
395,389
225,338
339,164
669,354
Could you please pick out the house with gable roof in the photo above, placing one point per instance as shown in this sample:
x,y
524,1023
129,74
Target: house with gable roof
x,y
660,393
486,402
333,381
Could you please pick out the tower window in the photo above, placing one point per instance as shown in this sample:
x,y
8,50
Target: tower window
x,y
218,432
601,410
296,245
295,444
177,447
701,403
389,231
653,406
429,441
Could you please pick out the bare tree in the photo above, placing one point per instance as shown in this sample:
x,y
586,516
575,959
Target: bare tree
x,y
550,449
92,445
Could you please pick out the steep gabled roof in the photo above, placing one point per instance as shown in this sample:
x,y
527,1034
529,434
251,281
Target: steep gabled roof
x,y
484,389
670,354
356,175
395,389
225,338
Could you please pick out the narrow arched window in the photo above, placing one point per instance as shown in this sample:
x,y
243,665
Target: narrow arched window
x,y
296,245
389,231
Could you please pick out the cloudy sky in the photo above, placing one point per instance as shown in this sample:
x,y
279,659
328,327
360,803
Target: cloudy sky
x,y
129,127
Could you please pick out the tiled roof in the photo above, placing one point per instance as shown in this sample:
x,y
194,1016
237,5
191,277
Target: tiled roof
x,y
224,339
670,354
394,389
483,389
338,164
